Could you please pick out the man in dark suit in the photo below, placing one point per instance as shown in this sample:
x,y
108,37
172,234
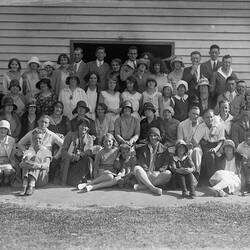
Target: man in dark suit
x,y
100,67
192,74
213,64
78,66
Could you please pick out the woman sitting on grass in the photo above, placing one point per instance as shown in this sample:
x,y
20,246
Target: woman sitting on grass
x,y
227,178
104,172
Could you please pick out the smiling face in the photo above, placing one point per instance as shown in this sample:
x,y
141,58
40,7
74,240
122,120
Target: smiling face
x,y
64,61
214,54
43,123
100,54
37,140
226,64
181,150
44,87
181,90
167,91
157,68
58,109
108,143
231,85
115,66
100,111
78,56
32,110
132,54
14,66
241,88
93,80
195,58
112,84
209,118
3,132
177,65
34,66
167,115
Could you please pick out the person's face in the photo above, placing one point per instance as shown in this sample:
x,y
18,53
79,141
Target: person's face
x,y
231,85
226,64
167,91
14,90
3,132
8,108
73,82
100,111
64,61
112,84
78,56
167,115
153,138
43,123
108,143
224,108
130,85
100,54
177,65
14,66
43,87
241,88
151,84
203,89
132,54
93,80
214,53
194,115
32,110
49,69
181,150
127,111
149,113
229,151
43,73
83,128
34,66
58,109
209,118
195,59
181,90
115,66
142,67
81,110
37,139
157,68
125,152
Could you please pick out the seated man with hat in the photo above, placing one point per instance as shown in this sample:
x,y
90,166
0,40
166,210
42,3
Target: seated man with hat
x,y
151,169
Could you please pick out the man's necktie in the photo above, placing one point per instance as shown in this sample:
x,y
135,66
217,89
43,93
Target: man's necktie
x,y
214,66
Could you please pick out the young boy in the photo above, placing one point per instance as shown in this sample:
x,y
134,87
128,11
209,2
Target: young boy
x,y
35,164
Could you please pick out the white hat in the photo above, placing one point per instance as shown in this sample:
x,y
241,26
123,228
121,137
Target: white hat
x,y
203,81
34,59
167,85
182,82
49,63
5,124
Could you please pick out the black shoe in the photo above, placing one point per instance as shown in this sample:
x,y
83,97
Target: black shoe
x,y
23,193
30,190
184,194
192,195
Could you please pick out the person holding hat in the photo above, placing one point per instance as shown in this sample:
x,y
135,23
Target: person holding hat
x,y
228,174
127,127
29,118
183,167
151,169
8,113
76,151
79,113
59,76
18,98
71,95
151,94
31,77
181,100
14,73
176,74
166,100
45,99
150,120
169,128
142,74
7,151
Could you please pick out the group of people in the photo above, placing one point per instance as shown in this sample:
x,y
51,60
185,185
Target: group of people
x,y
133,124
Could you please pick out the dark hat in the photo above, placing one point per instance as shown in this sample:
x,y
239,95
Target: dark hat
x,y
181,143
148,105
14,83
8,101
127,104
155,131
80,104
84,121
44,80
73,76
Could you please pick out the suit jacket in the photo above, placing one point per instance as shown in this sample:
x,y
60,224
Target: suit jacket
x,y
81,72
191,80
102,71
207,70
161,161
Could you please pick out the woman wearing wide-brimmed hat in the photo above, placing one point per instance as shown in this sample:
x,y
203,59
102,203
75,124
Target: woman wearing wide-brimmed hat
x,y
31,77
71,94
17,97
46,98
8,113
175,75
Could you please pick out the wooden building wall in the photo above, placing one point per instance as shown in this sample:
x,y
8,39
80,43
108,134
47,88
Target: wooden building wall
x,y
45,28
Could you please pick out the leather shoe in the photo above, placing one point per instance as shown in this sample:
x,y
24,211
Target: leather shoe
x,y
30,190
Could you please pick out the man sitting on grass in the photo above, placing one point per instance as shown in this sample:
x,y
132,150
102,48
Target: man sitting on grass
x,y
35,164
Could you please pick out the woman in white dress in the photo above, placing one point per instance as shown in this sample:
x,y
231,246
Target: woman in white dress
x,y
228,177
131,94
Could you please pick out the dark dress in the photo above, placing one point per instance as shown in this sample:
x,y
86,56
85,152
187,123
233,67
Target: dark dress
x,y
45,105
27,125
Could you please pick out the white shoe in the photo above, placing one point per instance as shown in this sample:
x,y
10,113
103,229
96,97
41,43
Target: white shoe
x,y
81,186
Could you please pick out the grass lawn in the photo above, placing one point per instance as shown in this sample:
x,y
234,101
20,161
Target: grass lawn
x,y
211,225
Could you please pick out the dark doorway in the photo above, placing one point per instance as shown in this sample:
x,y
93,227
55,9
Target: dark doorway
x,y
119,50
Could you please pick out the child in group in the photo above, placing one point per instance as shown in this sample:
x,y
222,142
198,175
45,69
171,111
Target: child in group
x,y
244,149
124,166
166,99
152,95
35,164
181,101
183,167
